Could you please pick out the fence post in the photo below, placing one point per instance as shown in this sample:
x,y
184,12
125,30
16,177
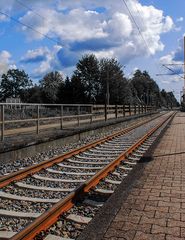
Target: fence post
x,y
2,122
116,111
105,112
123,110
78,116
135,110
139,108
61,117
91,115
130,110
38,117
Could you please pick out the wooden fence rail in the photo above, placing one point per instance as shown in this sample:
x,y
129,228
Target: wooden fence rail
x,y
18,118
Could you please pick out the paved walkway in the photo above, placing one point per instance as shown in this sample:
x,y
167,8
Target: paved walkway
x,y
155,206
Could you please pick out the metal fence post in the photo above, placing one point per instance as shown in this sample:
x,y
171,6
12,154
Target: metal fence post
x,y
61,117
116,111
135,110
139,109
38,117
91,120
105,112
123,110
78,116
2,122
130,110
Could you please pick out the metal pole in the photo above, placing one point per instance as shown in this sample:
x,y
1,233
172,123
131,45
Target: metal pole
x,y
78,116
91,114
2,123
184,64
130,110
123,110
38,111
61,117
107,88
105,112
135,110
116,111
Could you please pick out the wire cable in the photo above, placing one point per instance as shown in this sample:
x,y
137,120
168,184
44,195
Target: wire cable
x,y
30,27
29,8
171,70
139,30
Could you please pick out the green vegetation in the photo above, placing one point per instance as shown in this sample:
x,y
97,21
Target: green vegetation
x,y
93,81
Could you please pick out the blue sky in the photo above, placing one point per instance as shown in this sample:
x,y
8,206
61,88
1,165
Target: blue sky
x,y
104,28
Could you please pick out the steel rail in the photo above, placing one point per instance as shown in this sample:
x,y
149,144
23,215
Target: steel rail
x,y
48,218
20,174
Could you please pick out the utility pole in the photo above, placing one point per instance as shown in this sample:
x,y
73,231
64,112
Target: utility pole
x,y
107,88
184,68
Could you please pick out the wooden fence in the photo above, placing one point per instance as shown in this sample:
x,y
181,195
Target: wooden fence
x,y
19,118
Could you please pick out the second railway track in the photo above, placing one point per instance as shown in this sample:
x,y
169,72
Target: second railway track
x,y
35,198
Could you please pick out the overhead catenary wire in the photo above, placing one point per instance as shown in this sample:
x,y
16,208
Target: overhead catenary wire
x,y
137,26
31,28
139,30
29,8
171,70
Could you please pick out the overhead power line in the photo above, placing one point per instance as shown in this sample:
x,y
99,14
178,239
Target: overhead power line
x,y
137,26
30,9
31,28
139,30
171,70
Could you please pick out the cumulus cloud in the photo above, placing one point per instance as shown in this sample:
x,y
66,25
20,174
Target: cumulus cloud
x,y
48,61
5,62
34,56
119,26
174,60
100,27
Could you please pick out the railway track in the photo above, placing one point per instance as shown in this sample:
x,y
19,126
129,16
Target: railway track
x,y
61,195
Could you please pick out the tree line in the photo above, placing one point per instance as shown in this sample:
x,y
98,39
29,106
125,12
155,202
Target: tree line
x,y
93,81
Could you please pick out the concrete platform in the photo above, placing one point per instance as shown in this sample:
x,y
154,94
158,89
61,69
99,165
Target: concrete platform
x,y
150,203
24,145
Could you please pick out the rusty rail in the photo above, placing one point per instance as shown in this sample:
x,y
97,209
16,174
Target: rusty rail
x,y
51,216
18,175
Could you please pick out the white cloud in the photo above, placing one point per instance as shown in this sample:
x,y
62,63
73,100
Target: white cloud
x,y
81,28
180,19
166,81
119,26
6,7
5,62
174,60
36,55
48,64
82,24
